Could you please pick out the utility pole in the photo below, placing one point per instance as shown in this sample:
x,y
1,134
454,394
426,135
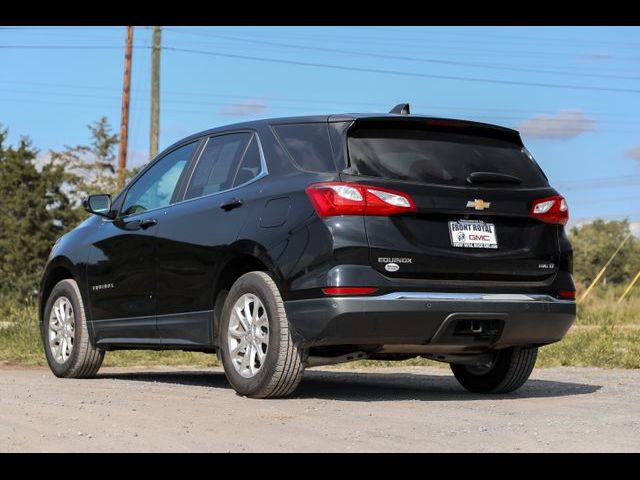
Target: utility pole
x,y
124,120
155,92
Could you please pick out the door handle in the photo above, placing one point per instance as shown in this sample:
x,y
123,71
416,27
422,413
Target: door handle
x,y
231,204
147,222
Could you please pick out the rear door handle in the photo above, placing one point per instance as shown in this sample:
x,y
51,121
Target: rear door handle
x,y
147,222
231,204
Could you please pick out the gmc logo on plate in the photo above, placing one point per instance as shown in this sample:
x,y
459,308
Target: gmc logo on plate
x,y
481,238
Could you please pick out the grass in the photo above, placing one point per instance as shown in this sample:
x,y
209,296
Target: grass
x,y
606,335
20,344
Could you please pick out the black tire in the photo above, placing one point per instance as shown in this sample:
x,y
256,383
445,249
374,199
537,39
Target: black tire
x,y
282,369
84,360
509,371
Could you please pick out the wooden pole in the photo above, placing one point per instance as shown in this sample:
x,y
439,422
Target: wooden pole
x,y
155,92
124,121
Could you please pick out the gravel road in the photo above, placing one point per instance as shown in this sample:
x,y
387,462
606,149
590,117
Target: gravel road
x,y
390,409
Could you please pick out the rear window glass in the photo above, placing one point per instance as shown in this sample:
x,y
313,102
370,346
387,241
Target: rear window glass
x,y
308,145
440,157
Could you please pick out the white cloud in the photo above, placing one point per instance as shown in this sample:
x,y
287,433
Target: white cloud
x,y
42,159
136,158
252,106
560,126
635,229
633,153
598,56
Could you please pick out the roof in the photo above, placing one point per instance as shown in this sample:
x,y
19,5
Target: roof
x,y
347,117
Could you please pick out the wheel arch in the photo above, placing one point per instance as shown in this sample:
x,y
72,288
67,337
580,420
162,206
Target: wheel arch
x,y
58,269
244,257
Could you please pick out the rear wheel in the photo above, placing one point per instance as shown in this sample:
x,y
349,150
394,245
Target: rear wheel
x,y
65,335
507,372
259,356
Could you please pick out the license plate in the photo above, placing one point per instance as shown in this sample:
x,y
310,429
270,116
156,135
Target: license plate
x,y
473,234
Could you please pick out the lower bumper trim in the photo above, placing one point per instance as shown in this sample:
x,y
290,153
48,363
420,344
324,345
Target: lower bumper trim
x,y
423,318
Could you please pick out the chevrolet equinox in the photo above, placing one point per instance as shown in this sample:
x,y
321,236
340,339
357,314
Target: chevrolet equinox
x,y
295,242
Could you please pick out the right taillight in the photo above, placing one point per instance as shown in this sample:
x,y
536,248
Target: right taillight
x,y
551,210
341,198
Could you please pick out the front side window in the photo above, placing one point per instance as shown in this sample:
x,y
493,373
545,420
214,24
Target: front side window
x,y
155,188
226,162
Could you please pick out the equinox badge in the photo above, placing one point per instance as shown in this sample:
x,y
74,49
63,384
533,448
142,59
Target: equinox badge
x,y
478,204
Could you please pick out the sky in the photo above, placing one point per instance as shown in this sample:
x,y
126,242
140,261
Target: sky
x,y
572,92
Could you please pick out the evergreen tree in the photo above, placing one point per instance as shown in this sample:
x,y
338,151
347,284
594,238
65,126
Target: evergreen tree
x,y
42,200
35,212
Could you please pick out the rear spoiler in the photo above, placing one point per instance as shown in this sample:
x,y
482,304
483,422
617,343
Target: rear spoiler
x,y
442,124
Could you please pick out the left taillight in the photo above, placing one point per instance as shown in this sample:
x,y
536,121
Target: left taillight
x,y
550,210
341,198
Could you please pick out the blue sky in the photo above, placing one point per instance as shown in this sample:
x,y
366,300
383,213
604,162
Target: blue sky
x,y
573,92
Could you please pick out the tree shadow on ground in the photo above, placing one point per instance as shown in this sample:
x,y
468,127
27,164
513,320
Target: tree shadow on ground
x,y
369,387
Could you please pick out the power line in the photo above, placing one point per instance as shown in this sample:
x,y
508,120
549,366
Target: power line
x,y
388,40
68,47
300,107
501,36
343,102
400,73
610,182
607,200
285,108
402,57
385,40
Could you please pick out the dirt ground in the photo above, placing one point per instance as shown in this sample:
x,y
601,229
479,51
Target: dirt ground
x,y
381,410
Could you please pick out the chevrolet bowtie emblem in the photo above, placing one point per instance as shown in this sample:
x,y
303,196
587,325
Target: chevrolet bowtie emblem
x,y
478,204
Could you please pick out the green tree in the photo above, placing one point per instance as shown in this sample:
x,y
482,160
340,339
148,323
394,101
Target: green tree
x,y
41,200
91,168
35,211
594,243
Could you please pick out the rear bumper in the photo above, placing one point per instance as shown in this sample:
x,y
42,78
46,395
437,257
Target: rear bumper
x,y
439,320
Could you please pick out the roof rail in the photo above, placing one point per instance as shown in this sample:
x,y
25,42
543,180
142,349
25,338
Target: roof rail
x,y
401,109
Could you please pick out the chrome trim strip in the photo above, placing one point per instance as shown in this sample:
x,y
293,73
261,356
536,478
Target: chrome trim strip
x,y
198,312
489,297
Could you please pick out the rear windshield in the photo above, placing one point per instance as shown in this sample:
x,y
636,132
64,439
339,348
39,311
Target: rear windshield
x,y
440,157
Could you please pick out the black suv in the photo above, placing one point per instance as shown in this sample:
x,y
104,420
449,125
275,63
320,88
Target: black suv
x,y
289,243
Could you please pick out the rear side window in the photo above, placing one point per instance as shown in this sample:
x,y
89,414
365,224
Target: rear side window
x,y
218,164
308,145
250,165
440,157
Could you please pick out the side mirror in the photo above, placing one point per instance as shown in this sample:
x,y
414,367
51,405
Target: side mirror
x,y
98,205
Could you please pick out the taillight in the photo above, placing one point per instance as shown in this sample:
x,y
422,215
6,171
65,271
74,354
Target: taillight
x,y
567,294
339,198
551,210
348,290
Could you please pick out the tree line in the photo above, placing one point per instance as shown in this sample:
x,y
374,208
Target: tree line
x,y
40,199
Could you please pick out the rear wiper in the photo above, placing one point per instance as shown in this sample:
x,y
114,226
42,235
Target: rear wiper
x,y
492,177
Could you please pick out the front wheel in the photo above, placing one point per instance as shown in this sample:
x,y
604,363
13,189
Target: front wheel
x,y
65,335
507,372
259,356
